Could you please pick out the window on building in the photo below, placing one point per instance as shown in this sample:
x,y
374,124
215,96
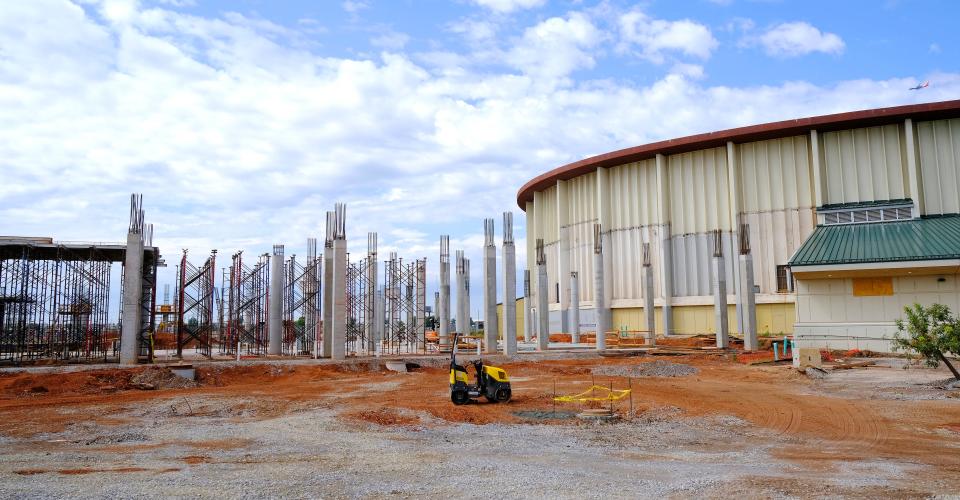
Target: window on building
x,y
784,280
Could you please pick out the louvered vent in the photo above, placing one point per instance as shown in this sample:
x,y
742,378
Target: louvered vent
x,y
863,215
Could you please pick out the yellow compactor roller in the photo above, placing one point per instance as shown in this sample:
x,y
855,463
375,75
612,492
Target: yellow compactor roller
x,y
492,382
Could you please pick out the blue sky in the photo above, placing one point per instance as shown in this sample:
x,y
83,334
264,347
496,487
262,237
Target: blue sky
x,y
242,122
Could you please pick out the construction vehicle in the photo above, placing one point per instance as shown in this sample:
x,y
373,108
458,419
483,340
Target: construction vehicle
x,y
492,382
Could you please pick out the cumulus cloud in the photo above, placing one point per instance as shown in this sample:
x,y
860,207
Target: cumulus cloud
x,y
507,6
556,47
240,136
650,38
797,39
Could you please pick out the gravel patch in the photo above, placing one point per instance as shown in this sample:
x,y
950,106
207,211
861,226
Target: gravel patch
x,y
658,368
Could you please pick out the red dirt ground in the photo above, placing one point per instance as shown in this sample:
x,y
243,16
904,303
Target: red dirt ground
x,y
775,398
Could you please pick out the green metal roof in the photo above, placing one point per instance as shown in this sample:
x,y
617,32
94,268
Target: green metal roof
x,y
916,239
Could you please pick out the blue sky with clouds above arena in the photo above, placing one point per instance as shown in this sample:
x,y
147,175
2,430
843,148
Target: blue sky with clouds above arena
x,y
243,121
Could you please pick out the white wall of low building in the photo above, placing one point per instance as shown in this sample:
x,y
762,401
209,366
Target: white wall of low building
x,y
830,316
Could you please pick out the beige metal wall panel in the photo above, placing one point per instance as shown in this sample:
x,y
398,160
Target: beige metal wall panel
x,y
939,143
632,190
774,237
546,216
776,174
626,255
865,164
582,199
699,200
551,250
581,257
531,241
692,263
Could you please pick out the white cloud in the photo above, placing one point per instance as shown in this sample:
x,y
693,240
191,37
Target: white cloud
x,y
390,40
354,6
240,138
556,47
799,38
651,38
507,6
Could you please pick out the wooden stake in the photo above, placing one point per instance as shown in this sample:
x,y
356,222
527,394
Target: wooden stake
x,y
630,388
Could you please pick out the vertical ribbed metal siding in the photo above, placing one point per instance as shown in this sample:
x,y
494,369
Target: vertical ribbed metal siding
x,y
699,191
865,164
776,174
939,144
581,215
633,195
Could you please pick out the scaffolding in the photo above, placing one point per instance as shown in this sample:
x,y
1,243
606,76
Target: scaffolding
x,y
246,304
196,295
404,307
301,302
55,305
359,335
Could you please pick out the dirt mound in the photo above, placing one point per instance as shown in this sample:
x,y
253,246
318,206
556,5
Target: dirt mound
x,y
157,377
656,368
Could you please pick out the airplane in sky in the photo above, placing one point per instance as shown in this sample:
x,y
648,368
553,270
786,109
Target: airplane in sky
x,y
921,86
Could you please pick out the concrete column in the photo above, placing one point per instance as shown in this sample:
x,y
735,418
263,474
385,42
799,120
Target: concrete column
x,y
599,297
528,322
379,315
463,294
543,308
574,308
649,311
509,287
275,313
312,288
490,326
339,337
748,299
371,292
327,289
443,312
720,295
666,245
132,298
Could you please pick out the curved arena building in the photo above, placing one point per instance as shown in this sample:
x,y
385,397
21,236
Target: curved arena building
x,y
843,219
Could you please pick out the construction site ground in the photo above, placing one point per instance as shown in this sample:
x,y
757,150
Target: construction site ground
x,y
713,426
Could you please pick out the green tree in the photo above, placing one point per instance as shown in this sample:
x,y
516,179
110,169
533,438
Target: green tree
x,y
932,332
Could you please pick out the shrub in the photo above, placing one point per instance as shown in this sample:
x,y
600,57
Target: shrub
x,y
932,332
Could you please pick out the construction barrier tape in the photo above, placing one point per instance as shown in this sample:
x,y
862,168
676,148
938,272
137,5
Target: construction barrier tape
x,y
583,396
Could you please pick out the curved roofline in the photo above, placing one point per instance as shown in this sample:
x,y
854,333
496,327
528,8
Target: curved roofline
x,y
773,130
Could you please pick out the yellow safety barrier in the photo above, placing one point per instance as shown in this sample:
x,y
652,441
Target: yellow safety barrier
x,y
611,395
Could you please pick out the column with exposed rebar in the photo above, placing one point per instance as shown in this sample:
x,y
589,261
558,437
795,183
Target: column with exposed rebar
x,y
543,307
720,292
374,332
747,293
490,326
649,310
132,285
601,308
509,287
528,322
443,310
275,312
339,330
327,287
